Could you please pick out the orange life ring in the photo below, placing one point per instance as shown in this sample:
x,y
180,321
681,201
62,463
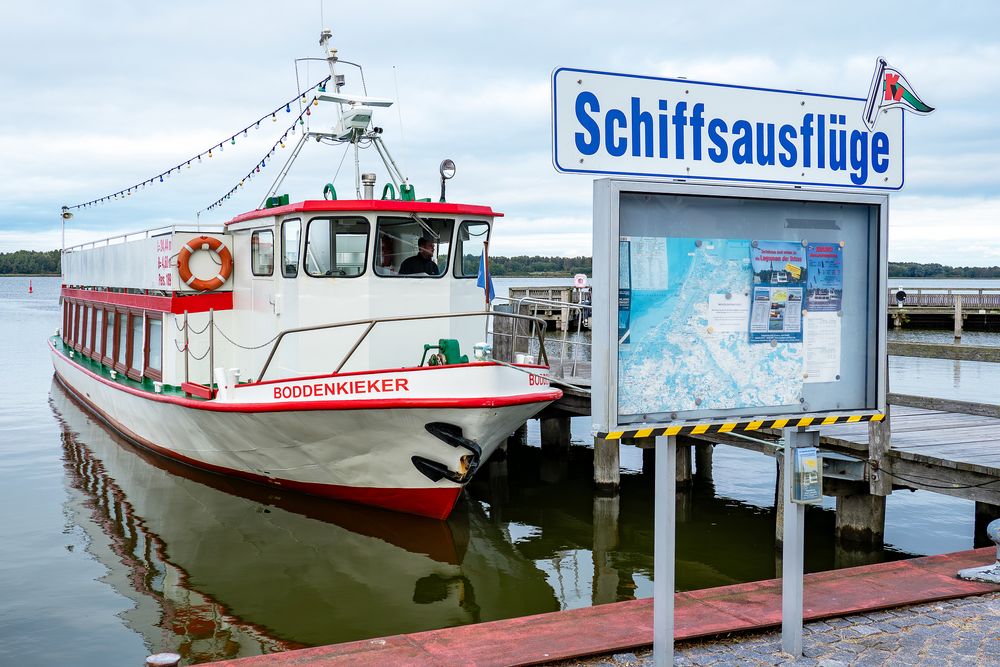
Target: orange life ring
x,y
204,243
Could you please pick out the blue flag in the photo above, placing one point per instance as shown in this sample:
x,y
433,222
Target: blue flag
x,y
484,278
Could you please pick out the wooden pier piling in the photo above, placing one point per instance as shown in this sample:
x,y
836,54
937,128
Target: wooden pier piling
x,y
607,473
703,461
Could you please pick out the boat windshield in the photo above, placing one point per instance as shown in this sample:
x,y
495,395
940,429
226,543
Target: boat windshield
x,y
413,248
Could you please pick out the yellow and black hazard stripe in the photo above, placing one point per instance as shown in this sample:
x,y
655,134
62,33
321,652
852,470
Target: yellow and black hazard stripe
x,y
739,426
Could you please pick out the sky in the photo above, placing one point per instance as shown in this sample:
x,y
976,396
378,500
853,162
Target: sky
x,y
101,95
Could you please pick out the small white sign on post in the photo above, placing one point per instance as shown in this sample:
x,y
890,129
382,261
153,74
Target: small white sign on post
x,y
627,125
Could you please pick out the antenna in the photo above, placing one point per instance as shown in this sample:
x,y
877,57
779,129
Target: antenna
x,y
399,105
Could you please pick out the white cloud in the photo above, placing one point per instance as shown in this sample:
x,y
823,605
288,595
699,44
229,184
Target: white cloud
x,y
123,91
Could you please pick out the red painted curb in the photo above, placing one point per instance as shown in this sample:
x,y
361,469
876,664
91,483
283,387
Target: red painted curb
x,y
609,628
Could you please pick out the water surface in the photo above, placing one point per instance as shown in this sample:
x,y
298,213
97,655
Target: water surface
x,y
108,553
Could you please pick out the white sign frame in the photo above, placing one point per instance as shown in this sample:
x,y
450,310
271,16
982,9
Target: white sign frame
x,y
614,92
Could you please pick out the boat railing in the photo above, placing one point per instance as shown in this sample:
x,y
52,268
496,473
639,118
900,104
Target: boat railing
x,y
145,234
538,327
571,349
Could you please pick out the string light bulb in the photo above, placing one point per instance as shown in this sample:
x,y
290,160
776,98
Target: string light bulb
x,y
288,108
274,119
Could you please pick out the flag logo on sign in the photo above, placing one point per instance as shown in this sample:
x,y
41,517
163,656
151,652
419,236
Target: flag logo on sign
x,y
889,90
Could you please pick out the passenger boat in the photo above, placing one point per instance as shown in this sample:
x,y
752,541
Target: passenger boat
x,y
334,347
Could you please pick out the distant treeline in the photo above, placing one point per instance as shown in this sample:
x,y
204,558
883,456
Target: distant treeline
x,y
522,265
29,262
915,270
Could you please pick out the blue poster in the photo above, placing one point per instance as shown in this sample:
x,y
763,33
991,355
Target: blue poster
x,y
825,270
779,275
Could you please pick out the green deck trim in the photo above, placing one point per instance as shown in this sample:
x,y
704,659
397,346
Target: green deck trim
x,y
100,369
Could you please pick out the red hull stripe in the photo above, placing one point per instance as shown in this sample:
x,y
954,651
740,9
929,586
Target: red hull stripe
x,y
339,205
435,503
192,303
289,406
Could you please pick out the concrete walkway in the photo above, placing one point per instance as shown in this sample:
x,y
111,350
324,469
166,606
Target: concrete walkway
x,y
964,632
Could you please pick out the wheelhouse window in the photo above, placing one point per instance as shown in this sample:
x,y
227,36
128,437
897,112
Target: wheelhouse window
x,y
336,247
472,238
413,248
291,235
262,252
154,347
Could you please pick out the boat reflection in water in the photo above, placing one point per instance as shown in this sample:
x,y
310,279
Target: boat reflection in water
x,y
218,568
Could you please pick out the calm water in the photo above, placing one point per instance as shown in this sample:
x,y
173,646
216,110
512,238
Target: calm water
x,y
108,554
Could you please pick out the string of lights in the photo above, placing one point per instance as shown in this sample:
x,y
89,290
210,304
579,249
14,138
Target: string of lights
x,y
220,147
298,122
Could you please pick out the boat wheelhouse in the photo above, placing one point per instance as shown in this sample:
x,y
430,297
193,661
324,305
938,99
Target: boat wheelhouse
x,y
335,347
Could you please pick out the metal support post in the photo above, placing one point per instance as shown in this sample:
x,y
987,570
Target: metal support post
x,y
186,351
793,544
211,348
664,536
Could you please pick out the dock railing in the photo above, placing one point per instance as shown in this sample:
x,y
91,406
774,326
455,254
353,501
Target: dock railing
x,y
569,354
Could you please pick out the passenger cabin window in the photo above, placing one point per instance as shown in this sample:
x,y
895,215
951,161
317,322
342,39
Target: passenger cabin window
x,y
472,238
135,346
291,234
262,252
336,247
109,337
154,347
411,248
98,348
122,341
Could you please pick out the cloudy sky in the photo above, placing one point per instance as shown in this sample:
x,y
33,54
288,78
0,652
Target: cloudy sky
x,y
100,95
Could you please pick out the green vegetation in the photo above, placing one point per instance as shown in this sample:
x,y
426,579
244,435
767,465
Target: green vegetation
x,y
916,270
522,265
29,263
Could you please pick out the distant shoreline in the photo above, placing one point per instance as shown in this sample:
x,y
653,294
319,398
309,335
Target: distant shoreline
x,y
29,275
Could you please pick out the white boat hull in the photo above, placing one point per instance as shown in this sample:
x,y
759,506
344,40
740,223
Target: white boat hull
x,y
359,438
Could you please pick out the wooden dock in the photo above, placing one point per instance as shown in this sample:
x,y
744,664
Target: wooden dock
x,y
933,444
977,307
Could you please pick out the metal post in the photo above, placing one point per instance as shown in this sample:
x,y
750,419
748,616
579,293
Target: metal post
x,y
211,348
958,318
664,535
187,352
792,544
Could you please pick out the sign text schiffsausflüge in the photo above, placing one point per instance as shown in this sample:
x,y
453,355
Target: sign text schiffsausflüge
x,y
606,123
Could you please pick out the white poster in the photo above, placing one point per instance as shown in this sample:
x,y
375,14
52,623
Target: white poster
x,y
649,263
728,313
822,346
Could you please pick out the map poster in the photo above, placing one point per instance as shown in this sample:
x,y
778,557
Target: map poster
x,y
776,314
825,268
688,347
778,262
